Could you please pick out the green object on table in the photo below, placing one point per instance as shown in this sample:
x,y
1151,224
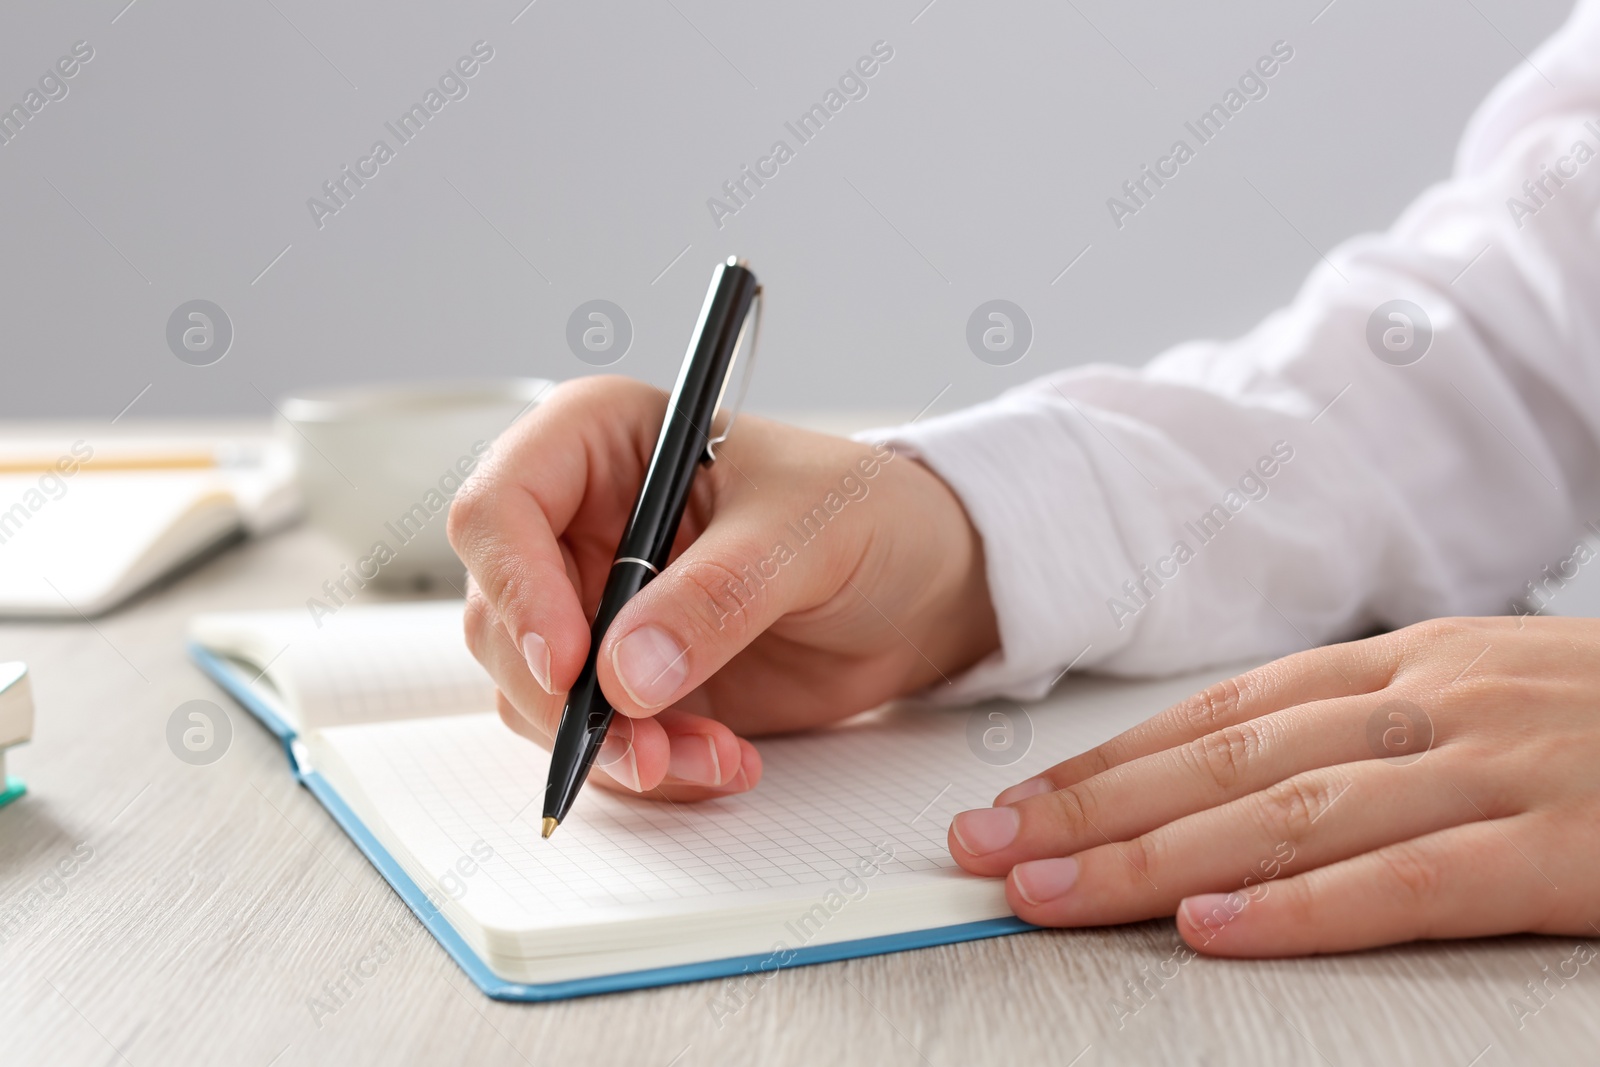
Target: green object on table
x,y
14,789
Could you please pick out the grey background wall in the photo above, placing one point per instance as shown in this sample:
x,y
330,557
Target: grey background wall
x,y
578,164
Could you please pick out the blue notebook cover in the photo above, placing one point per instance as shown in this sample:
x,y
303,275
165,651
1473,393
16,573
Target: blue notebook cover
x,y
232,679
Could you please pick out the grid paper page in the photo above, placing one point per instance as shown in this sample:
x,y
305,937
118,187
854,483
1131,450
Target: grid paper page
x,y
360,664
390,670
449,787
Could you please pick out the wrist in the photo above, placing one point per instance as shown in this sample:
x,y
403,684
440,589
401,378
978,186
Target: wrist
x,y
961,627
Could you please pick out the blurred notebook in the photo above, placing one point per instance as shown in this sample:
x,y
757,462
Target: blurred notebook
x,y
86,524
839,852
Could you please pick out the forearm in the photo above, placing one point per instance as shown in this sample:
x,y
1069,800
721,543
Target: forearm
x,y
1129,517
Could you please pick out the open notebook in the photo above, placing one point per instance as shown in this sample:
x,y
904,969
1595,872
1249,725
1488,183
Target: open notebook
x,y
839,852
85,525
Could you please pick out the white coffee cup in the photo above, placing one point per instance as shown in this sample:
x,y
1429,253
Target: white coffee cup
x,y
379,465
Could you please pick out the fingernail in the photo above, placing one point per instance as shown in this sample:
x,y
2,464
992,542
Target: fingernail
x,y
1040,881
985,830
650,665
1213,911
693,758
617,758
1023,790
537,653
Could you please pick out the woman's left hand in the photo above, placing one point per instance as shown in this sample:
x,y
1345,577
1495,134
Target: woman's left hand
x,y
1441,781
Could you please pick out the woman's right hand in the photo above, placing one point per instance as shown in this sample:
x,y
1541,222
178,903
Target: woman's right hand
x,y
813,577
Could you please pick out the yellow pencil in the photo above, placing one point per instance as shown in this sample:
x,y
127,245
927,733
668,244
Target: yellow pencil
x,y
104,462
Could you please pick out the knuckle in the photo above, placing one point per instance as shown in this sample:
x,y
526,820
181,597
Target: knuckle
x,y
468,511
1143,853
1226,755
1073,809
1215,706
637,405
1412,873
718,598
477,619
469,523
1094,762
1481,690
1441,629
564,397
599,387
1290,808
508,587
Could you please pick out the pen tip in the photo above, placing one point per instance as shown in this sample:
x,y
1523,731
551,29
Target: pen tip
x,y
549,826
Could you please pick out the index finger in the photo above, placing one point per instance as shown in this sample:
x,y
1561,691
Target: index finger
x,y
506,521
1351,669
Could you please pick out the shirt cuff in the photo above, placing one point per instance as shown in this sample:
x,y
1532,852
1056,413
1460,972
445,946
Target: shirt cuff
x,y
1026,478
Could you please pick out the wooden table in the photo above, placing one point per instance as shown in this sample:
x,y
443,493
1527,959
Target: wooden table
x,y
205,908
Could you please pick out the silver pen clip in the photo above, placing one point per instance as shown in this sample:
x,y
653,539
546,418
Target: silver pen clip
x,y
746,328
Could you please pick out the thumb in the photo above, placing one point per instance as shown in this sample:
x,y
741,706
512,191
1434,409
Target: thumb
x,y
738,578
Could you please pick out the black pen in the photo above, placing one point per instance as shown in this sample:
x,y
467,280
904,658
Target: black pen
x,y
685,443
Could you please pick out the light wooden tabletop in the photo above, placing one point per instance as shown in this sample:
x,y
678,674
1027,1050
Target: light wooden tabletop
x,y
212,914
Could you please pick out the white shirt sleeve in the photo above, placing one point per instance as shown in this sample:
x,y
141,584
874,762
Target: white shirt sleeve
x,y
1247,499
